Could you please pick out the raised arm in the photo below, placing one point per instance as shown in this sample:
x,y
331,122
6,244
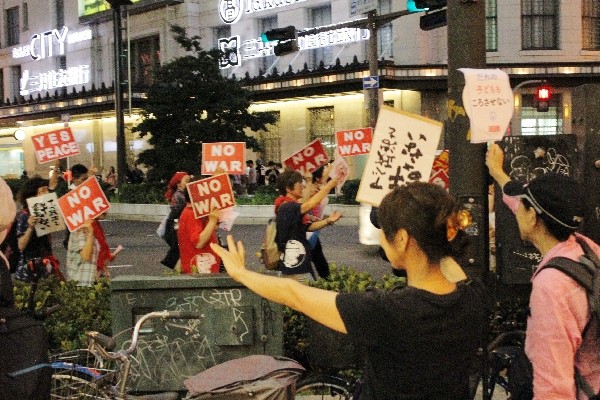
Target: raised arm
x,y
313,201
494,159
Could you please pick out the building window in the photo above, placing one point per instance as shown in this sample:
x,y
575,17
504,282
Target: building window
x,y
385,34
541,123
491,25
320,16
539,20
145,56
15,82
59,6
2,99
591,25
12,26
62,62
270,139
25,17
320,126
266,63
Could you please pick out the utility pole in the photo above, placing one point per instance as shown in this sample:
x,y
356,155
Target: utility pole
x,y
468,174
373,68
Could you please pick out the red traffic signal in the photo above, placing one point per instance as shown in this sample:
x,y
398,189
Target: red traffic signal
x,y
543,94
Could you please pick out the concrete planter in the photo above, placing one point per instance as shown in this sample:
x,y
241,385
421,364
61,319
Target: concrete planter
x,y
249,215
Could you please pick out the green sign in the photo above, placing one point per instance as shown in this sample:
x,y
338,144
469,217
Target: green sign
x,y
89,7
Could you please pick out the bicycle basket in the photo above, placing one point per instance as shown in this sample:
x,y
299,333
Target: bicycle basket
x,y
331,350
79,374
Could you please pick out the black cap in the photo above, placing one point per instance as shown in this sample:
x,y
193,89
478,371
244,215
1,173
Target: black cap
x,y
555,195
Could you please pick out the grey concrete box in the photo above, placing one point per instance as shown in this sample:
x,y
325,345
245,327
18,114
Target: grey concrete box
x,y
234,323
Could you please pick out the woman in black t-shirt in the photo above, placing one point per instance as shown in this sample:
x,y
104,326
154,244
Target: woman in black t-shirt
x,y
419,340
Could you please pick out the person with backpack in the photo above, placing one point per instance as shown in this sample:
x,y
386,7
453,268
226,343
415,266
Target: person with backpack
x,y
562,338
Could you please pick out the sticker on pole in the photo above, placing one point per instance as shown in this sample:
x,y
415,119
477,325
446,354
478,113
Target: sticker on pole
x,y
354,142
488,101
86,201
402,151
307,160
223,158
54,145
209,194
45,208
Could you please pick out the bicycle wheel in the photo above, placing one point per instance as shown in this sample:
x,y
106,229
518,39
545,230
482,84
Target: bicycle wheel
x,y
68,386
321,387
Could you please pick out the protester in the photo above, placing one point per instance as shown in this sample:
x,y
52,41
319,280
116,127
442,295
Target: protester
x,y
314,182
76,176
292,223
549,210
175,195
419,340
261,173
251,174
272,173
111,179
195,236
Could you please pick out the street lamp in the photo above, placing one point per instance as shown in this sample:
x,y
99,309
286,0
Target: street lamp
x,y
19,134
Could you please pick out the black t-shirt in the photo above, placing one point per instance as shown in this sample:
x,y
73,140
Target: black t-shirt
x,y
291,240
419,345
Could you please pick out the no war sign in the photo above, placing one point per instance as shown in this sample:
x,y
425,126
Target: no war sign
x,y
210,194
86,201
54,145
354,142
308,159
224,157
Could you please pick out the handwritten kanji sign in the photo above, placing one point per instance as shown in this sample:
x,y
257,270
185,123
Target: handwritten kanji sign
x,y
488,101
311,157
45,208
54,145
209,194
86,201
354,142
402,151
223,157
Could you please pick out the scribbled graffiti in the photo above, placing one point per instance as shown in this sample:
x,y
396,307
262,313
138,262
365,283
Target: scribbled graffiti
x,y
523,169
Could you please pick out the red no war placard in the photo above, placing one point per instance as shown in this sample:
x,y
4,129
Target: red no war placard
x,y
54,145
86,201
224,157
210,194
311,157
353,142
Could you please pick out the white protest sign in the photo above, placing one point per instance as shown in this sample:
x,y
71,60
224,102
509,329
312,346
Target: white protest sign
x,y
402,151
45,208
488,101
339,170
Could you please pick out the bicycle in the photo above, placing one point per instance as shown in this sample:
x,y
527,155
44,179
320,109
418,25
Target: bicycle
x,y
98,372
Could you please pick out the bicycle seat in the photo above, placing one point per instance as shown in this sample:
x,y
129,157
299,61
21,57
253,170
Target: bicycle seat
x,y
506,354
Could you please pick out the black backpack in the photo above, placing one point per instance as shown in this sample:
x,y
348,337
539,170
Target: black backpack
x,y
586,272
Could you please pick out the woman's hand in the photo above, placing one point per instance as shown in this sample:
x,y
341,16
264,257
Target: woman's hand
x,y
233,259
32,220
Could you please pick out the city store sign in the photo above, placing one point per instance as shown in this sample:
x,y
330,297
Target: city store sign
x,y
48,44
236,50
231,11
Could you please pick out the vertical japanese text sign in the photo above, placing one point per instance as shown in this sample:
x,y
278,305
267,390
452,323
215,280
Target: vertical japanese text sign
x,y
46,209
311,157
210,194
86,201
54,145
224,157
402,151
354,142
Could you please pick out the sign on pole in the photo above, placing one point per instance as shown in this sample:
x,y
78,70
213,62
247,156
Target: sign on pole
x,y
358,7
86,201
370,82
209,194
45,208
223,157
354,142
311,157
54,145
402,151
488,101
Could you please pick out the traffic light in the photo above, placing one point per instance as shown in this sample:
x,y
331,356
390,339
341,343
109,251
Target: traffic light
x,y
543,94
425,5
286,38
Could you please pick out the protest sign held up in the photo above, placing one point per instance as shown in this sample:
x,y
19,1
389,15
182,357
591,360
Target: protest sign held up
x,y
86,201
311,157
54,145
402,151
354,142
45,207
213,193
224,157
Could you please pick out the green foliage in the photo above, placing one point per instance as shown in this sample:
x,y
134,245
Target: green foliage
x,y
349,191
264,195
190,103
141,193
83,309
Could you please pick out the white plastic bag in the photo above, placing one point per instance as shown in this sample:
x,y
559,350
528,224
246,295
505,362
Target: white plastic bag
x,y
160,231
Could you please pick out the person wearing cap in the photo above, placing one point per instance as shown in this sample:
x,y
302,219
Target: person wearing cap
x,y
175,195
549,210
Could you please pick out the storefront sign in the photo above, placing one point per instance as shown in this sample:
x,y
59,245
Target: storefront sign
x,y
86,201
54,145
231,11
210,194
53,79
311,157
224,158
354,142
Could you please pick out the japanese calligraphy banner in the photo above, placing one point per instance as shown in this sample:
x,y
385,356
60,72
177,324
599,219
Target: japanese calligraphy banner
x,y
54,145
210,194
311,157
354,142
45,208
488,101
86,201
402,151
223,158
